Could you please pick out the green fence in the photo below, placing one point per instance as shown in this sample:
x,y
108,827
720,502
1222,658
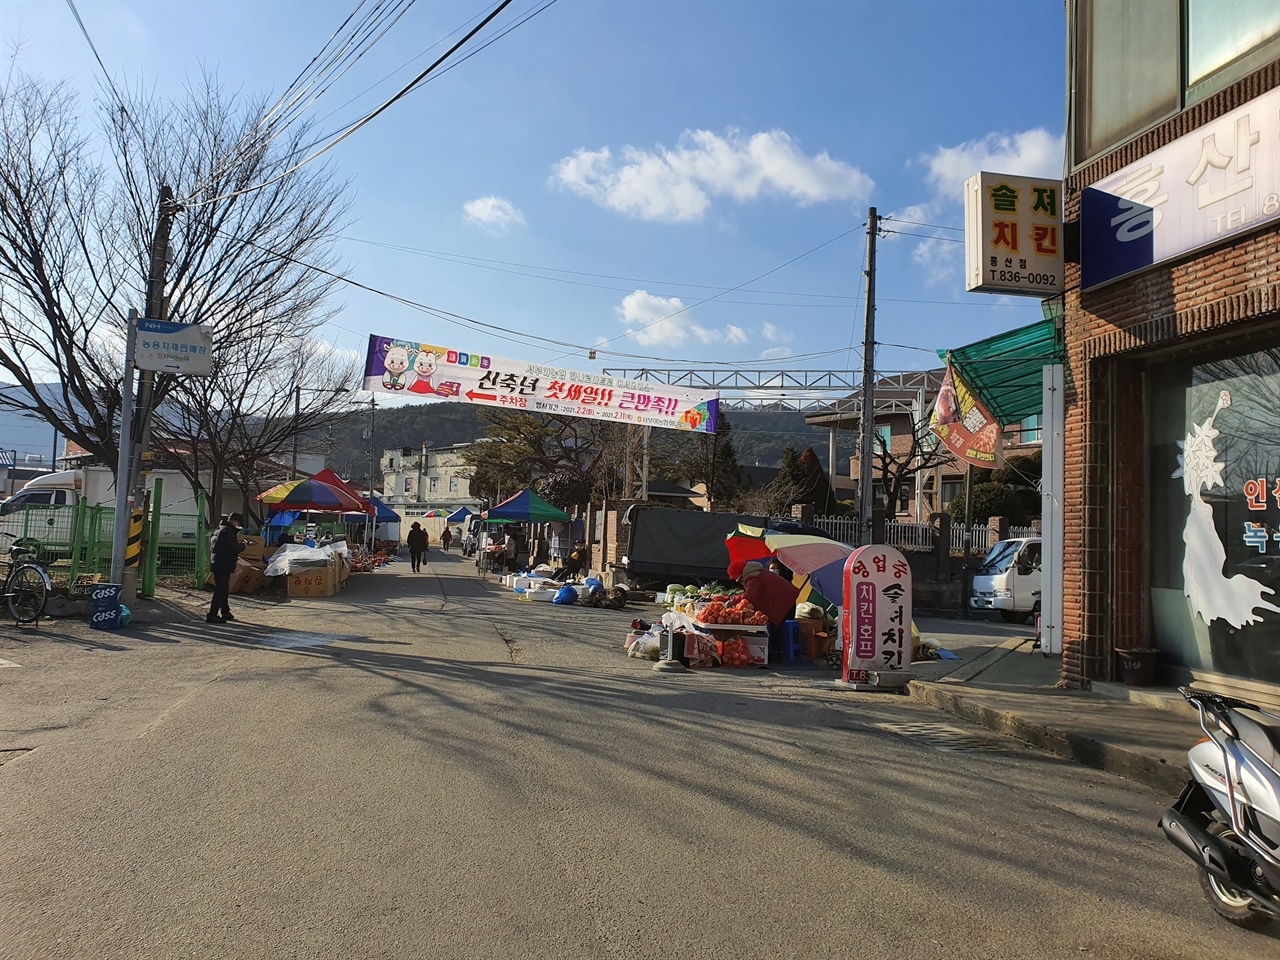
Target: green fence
x,y
70,541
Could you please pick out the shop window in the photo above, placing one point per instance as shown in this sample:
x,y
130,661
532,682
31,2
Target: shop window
x,y
1213,515
1221,32
1135,64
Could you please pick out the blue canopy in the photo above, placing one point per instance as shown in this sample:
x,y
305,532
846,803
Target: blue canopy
x,y
458,515
282,518
382,514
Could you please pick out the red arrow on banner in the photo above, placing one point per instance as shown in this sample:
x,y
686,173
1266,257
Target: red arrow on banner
x,y
473,396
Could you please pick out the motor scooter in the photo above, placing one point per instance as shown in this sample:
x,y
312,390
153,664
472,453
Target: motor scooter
x,y
1227,818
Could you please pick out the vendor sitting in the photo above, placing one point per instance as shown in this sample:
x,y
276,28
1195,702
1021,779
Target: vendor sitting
x,y
773,596
573,565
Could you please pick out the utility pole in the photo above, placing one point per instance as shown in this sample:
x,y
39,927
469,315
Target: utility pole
x,y
156,309
866,456
120,533
373,443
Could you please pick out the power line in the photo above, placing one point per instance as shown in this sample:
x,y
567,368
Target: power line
x,y
502,333
923,236
368,118
716,296
917,223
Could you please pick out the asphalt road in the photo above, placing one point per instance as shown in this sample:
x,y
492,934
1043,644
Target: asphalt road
x,y
423,766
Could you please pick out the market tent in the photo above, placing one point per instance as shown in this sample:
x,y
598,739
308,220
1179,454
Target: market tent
x,y
1006,371
382,514
458,515
310,494
283,518
526,506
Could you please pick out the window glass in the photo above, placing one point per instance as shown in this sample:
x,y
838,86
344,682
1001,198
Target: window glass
x,y
435,484
1126,72
885,434
1219,31
1213,465
453,484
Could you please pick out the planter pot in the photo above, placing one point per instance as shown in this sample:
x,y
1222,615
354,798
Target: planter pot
x,y
1138,665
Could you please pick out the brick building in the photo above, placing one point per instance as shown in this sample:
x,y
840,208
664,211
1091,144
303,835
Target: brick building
x,y
1171,321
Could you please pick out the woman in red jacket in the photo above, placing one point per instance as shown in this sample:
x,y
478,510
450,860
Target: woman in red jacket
x,y
772,595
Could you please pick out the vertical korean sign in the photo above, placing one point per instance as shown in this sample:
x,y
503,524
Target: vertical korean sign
x,y
1218,181
443,373
1013,235
876,618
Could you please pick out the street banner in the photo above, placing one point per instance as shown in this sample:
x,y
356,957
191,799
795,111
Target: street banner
x,y
405,368
876,617
185,349
966,426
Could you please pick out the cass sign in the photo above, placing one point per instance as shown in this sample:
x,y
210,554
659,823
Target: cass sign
x,y
1218,181
876,618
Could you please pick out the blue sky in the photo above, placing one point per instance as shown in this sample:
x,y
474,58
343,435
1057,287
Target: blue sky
x,y
616,162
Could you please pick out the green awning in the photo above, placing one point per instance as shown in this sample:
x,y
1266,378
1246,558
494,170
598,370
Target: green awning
x,y
1005,371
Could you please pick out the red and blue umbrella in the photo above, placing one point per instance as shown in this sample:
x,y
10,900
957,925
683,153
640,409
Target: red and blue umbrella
x,y
311,494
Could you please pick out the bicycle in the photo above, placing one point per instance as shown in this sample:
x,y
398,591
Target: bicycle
x,y
26,586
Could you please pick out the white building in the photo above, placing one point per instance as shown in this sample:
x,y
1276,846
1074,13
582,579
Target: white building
x,y
418,480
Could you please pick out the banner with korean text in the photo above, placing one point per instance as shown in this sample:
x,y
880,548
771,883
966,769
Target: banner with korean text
x,y
966,426
405,368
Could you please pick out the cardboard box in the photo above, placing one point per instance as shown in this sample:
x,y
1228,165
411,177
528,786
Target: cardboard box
x,y
544,595
248,577
254,547
758,652
313,582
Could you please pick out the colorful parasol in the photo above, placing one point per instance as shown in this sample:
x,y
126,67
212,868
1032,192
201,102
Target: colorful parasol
x,y
311,494
800,552
436,513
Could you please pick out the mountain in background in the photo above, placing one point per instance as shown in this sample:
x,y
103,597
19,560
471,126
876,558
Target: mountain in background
x,y
758,436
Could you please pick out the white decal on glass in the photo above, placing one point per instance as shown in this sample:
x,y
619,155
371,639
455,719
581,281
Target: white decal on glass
x,y
1212,596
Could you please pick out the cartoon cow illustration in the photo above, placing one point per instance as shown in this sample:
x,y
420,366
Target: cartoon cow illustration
x,y
424,369
396,363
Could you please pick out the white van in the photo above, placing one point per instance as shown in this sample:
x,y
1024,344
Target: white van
x,y
1009,580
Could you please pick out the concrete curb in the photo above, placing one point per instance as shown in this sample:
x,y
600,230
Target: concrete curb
x,y
1073,746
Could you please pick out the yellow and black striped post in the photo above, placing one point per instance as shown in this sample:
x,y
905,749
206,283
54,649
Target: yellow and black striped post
x,y
133,550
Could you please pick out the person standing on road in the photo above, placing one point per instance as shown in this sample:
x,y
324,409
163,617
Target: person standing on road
x,y
446,537
226,549
417,543
772,595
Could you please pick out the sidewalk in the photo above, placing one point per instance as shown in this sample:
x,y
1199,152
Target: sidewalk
x,y
1140,733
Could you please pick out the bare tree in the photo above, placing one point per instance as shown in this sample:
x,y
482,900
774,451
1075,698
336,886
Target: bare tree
x,y
256,265
905,455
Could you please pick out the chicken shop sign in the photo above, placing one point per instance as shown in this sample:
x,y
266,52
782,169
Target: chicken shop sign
x,y
875,622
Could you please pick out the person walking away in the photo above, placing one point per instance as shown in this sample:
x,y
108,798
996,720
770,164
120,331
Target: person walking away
x,y
772,595
512,550
446,538
417,543
226,549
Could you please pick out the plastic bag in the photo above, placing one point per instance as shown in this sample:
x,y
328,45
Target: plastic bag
x,y
126,616
593,585
565,595
809,611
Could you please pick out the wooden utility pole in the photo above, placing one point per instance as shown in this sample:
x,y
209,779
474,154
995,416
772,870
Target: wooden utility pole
x,y
866,457
156,309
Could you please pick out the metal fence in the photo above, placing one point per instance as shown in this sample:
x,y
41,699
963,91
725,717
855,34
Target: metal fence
x,y
844,529
906,535
1023,533
74,540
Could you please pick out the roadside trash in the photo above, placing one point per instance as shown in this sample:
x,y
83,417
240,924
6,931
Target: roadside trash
x,y
930,649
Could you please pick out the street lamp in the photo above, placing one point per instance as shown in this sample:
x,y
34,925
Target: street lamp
x,y
297,414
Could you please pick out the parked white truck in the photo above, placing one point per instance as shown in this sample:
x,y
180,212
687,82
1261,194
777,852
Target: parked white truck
x,y
1009,580
44,508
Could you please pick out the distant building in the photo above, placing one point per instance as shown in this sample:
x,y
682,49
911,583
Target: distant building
x,y
417,480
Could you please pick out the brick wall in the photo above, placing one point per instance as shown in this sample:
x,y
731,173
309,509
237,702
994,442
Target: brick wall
x,y
1227,291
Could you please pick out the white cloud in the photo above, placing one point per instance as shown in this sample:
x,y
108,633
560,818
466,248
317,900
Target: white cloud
x,y
493,213
1031,153
775,353
649,319
676,185
771,333
940,259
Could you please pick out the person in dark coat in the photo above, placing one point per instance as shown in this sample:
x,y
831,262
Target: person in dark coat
x,y
773,596
227,547
446,537
417,542
574,563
